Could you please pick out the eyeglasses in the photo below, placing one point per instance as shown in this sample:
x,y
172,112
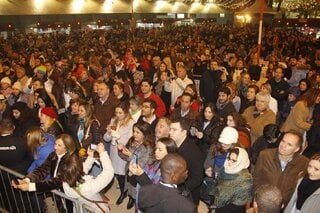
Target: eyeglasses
x,y
232,160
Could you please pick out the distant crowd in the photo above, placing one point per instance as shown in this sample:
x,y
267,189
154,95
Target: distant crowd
x,y
189,108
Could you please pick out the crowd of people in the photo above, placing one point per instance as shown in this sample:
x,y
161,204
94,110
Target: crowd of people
x,y
185,112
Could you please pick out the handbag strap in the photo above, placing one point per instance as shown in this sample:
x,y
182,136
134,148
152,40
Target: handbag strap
x,y
96,202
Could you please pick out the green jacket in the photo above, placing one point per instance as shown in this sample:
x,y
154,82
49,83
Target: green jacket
x,y
234,189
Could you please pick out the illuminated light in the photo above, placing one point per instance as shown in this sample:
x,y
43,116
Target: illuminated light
x,y
69,25
247,18
78,23
279,21
194,6
38,4
287,23
77,5
135,3
160,4
107,5
305,25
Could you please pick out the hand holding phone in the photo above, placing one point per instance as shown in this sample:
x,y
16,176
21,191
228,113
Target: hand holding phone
x,y
93,146
134,159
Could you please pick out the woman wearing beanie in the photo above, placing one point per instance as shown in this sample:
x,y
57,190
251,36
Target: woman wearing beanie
x,y
217,156
234,189
18,96
49,122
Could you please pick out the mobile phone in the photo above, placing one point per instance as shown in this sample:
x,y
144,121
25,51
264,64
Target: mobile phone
x,y
93,146
193,131
134,159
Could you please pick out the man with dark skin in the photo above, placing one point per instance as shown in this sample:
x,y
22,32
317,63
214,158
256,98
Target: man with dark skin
x,y
165,196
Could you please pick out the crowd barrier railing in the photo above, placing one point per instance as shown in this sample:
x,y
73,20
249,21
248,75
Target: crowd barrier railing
x,y
16,201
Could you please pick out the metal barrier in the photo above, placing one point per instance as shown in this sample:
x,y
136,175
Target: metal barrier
x,y
12,200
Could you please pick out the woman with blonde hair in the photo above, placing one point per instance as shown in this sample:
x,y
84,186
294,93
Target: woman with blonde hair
x,y
119,132
40,145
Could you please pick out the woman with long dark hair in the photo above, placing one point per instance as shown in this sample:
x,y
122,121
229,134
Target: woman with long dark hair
x,y
151,174
138,150
23,118
87,130
207,128
79,185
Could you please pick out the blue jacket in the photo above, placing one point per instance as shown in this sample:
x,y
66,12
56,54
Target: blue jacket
x,y
42,152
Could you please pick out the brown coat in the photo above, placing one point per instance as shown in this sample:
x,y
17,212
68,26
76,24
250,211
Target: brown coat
x,y
257,124
268,171
104,112
298,118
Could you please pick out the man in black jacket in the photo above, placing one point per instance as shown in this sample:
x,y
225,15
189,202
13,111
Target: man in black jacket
x,y
165,196
191,153
13,148
210,82
279,87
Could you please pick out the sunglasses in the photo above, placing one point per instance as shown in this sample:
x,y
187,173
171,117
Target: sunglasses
x,y
232,160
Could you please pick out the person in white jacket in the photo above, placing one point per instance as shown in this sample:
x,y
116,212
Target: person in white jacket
x,y
78,185
177,86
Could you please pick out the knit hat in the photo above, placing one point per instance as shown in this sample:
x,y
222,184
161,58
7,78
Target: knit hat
x,y
2,98
242,162
229,135
42,70
6,80
49,112
17,85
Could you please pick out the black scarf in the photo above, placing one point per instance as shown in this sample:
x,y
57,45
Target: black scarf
x,y
306,188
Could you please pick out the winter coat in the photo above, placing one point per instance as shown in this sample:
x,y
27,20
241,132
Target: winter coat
x,y
258,123
121,135
299,118
228,190
310,205
43,152
268,171
92,185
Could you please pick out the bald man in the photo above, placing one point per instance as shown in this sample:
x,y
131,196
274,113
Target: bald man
x,y
165,196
